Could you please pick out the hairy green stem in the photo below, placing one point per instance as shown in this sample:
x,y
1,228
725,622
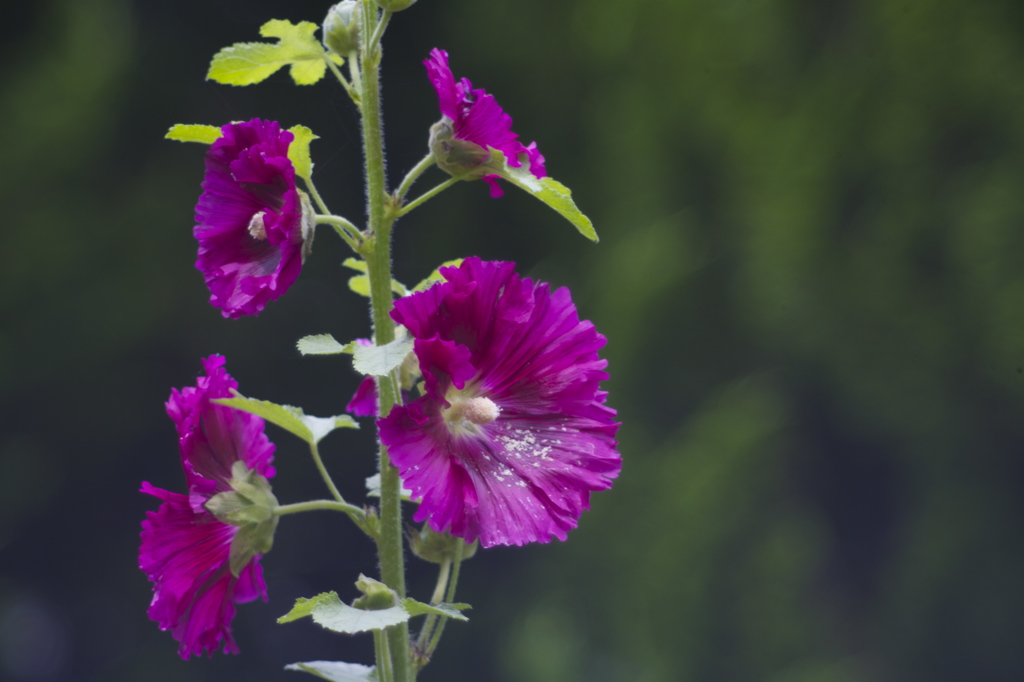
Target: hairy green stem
x,y
380,646
314,505
352,93
413,175
346,230
450,598
377,252
429,194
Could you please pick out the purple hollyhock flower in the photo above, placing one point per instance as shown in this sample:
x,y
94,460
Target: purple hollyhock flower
x,y
253,225
200,565
473,116
512,434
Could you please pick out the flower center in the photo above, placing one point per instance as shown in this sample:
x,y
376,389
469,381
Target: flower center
x,y
256,227
477,411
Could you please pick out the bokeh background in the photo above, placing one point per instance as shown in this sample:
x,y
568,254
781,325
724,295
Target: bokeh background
x,y
811,277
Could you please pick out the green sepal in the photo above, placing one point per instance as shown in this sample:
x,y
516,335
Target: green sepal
x,y
376,595
336,671
381,360
249,63
436,276
307,427
373,489
298,151
324,344
193,132
550,191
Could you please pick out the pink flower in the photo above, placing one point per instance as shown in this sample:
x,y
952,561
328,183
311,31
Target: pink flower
x,y
474,116
187,551
252,222
512,434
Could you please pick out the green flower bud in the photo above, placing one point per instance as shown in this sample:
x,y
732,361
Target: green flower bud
x,y
395,5
376,595
460,158
437,548
341,27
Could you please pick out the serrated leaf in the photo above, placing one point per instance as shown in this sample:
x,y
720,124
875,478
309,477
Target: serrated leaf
x,y
323,344
304,607
373,489
249,63
381,360
550,191
336,671
418,608
193,132
339,617
436,275
298,151
290,418
356,264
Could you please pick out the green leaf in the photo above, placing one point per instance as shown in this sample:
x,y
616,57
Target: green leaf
x,y
308,428
329,611
193,132
418,608
336,671
323,344
248,63
436,275
298,151
361,283
381,360
304,607
373,488
550,191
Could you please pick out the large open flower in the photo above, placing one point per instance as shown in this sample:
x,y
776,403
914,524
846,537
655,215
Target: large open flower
x,y
201,566
474,117
512,434
252,222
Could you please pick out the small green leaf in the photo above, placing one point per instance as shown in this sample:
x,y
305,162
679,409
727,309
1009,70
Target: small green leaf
x,y
248,63
381,360
361,284
336,671
304,607
550,191
436,275
323,344
298,151
308,428
193,132
418,608
356,264
373,489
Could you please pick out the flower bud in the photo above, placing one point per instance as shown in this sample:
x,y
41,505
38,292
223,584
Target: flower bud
x,y
308,225
437,548
395,5
457,157
341,27
376,595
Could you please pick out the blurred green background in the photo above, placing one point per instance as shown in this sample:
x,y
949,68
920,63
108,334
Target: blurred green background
x,y
810,277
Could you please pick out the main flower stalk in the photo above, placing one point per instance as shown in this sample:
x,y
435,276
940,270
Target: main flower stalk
x,y
378,260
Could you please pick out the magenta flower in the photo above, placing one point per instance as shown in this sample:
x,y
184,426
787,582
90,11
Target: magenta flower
x,y
512,434
474,116
252,223
202,566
